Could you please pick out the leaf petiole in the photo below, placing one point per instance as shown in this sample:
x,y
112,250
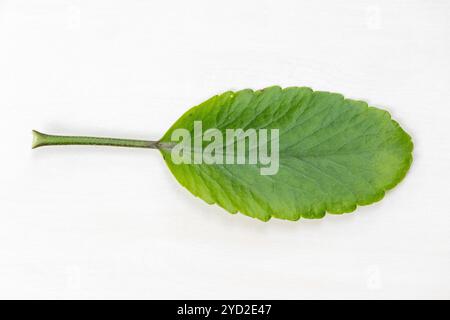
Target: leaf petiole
x,y
41,139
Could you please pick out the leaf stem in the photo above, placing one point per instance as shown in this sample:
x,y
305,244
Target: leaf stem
x,y
41,139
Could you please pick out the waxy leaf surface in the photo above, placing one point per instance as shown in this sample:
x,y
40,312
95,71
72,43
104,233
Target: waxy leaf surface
x,y
334,153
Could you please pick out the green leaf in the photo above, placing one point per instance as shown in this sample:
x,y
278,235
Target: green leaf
x,y
334,153
330,153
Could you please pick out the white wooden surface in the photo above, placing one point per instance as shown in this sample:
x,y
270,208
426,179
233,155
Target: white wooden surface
x,y
104,223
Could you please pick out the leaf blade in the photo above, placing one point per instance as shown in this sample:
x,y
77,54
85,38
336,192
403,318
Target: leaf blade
x,y
335,153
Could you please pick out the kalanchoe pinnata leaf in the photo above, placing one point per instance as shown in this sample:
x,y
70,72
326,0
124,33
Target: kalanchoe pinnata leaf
x,y
333,154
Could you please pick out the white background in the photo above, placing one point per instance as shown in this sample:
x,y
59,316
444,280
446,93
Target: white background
x,y
84,222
